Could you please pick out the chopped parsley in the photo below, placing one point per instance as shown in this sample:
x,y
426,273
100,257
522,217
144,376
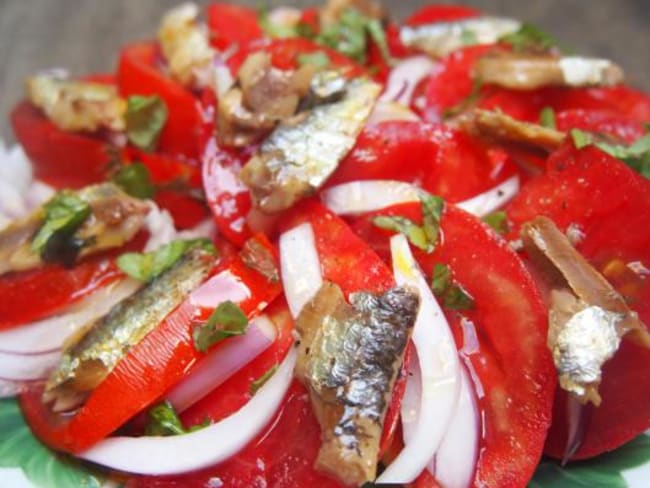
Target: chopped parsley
x,y
135,180
468,37
547,118
425,236
453,296
162,420
62,216
636,155
259,382
529,38
145,118
318,59
498,221
149,265
226,320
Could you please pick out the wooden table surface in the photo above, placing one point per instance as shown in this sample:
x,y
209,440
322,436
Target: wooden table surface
x,y
84,35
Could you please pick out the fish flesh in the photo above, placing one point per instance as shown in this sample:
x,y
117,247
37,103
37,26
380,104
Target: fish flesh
x,y
349,358
95,352
114,220
302,152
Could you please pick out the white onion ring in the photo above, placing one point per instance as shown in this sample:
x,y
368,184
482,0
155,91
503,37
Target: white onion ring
x,y
404,78
455,462
301,272
493,199
439,374
357,197
201,448
222,362
27,367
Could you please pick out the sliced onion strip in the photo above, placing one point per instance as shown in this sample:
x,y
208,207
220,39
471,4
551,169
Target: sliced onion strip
x,y
357,197
404,78
27,367
439,374
493,199
222,362
301,272
201,448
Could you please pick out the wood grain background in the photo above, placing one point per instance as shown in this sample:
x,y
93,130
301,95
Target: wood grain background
x,y
84,35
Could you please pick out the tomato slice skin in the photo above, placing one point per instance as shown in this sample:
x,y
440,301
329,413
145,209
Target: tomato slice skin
x,y
509,319
608,203
231,24
148,370
607,122
443,161
441,13
61,159
137,74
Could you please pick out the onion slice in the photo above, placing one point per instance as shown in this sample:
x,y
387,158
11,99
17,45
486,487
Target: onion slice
x,y
493,199
455,462
48,335
439,374
222,362
27,367
301,272
201,448
404,78
357,197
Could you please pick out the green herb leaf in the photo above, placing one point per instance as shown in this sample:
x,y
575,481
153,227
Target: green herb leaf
x,y
147,266
498,221
135,180
41,466
580,139
349,36
529,38
415,234
63,215
441,279
259,382
164,421
227,320
145,119
318,59
432,207
547,118
457,299
468,37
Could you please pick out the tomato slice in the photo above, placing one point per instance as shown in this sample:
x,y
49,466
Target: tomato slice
x,y
61,159
601,122
431,14
137,74
149,369
511,366
607,202
443,161
232,24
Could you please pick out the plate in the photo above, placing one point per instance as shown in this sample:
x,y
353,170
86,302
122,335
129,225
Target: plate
x,y
26,463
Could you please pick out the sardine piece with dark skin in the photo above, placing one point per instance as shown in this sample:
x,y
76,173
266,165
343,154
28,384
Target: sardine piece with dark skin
x,y
94,354
350,356
302,152
114,220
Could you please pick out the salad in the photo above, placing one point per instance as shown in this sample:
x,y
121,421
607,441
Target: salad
x,y
317,247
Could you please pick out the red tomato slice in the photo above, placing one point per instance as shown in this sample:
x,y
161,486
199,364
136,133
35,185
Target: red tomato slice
x,y
601,122
441,160
608,203
512,364
61,159
284,54
232,24
137,74
149,369
431,14
228,198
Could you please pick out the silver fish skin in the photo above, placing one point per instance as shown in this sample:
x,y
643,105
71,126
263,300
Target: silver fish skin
x,y
350,356
86,362
300,154
114,220
441,38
